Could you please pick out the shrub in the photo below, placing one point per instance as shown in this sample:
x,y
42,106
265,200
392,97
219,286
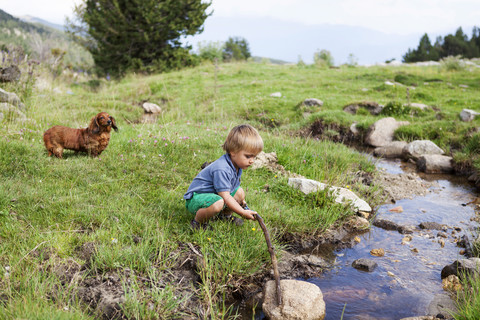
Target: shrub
x,y
210,50
396,109
323,58
451,63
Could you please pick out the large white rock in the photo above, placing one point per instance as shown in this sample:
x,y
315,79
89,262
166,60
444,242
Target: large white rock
x,y
301,301
149,107
435,163
381,132
11,98
418,148
468,115
342,195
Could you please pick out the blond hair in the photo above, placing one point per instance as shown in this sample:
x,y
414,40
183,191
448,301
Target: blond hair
x,y
243,137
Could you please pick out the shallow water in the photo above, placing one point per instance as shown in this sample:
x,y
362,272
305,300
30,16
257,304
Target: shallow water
x,y
408,277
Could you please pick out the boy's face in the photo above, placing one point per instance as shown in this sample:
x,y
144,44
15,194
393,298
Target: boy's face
x,y
242,159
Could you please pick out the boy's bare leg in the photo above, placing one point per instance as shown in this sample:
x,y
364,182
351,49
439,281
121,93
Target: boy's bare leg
x,y
205,214
240,198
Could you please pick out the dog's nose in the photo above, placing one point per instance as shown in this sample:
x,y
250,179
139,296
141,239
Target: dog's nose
x,y
109,121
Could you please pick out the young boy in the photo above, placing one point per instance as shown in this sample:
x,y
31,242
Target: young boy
x,y
216,189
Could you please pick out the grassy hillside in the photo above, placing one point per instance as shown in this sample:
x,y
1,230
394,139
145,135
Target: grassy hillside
x,y
37,41
127,207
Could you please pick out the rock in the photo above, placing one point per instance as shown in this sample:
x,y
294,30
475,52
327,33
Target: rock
x,y
418,148
12,99
468,115
393,149
381,132
342,195
462,267
10,112
311,260
372,107
407,239
435,163
10,74
421,318
276,95
312,102
398,209
357,223
430,226
149,107
442,306
377,252
354,130
451,283
364,264
301,301
390,225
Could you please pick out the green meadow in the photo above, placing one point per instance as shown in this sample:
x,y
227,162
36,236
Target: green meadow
x,y
127,204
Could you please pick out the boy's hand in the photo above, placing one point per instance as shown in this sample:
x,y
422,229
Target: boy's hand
x,y
249,214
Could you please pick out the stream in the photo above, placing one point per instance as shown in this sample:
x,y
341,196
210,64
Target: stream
x,y
407,277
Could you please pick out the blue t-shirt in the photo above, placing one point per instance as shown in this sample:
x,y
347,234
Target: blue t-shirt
x,y
220,175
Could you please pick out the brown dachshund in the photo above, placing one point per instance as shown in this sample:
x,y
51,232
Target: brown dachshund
x,y
92,140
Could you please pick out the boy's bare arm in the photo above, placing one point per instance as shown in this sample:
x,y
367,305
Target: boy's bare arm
x,y
233,205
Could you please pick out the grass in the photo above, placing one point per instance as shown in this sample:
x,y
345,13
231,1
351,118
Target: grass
x,y
469,299
128,202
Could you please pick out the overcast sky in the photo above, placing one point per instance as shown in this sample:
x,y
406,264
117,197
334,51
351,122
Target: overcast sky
x,y
290,29
390,16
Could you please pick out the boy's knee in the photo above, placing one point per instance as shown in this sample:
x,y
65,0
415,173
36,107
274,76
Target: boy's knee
x,y
218,206
240,195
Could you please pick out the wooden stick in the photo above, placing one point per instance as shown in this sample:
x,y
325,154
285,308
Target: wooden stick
x,y
272,256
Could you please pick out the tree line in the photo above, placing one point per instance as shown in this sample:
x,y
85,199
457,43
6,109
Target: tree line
x,y
457,44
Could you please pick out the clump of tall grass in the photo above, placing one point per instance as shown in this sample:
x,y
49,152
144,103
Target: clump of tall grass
x,y
453,63
468,299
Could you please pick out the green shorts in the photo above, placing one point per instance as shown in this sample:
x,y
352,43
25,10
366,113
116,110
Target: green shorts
x,y
204,200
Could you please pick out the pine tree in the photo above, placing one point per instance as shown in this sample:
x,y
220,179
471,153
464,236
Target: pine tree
x,y
236,48
137,35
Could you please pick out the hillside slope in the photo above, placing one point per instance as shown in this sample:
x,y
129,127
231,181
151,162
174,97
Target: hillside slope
x,y
37,41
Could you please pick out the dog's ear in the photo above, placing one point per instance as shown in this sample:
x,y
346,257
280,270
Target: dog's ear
x,y
114,124
94,127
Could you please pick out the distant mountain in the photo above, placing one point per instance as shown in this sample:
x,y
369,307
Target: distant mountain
x,y
35,20
288,41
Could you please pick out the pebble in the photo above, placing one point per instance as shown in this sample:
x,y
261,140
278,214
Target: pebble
x,y
377,252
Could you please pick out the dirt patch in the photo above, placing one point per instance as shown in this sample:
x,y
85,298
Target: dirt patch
x,y
403,186
330,131
104,293
269,161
